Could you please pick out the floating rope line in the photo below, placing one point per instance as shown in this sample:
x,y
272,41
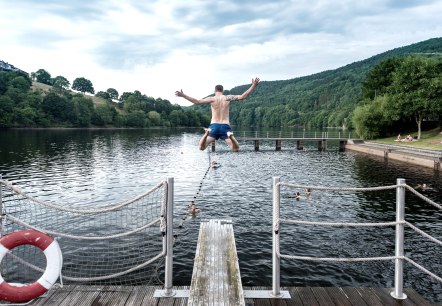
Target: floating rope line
x,y
197,194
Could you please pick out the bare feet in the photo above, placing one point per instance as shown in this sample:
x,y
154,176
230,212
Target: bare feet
x,y
235,144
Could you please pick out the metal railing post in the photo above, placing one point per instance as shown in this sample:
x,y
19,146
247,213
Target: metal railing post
x,y
275,235
399,242
168,269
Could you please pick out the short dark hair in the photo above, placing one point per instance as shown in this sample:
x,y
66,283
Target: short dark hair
x,y
219,88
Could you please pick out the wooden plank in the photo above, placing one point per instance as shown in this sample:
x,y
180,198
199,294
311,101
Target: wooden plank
x,y
338,296
307,296
81,296
137,296
416,297
295,298
113,295
148,297
322,296
354,296
368,296
215,278
388,300
54,298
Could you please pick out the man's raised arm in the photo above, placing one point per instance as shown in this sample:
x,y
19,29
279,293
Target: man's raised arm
x,y
255,83
193,100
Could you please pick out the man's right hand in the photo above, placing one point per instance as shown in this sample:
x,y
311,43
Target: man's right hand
x,y
179,93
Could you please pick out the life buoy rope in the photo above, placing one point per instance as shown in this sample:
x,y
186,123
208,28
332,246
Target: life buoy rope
x,y
54,262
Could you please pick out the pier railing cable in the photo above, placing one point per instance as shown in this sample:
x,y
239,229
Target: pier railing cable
x,y
115,244
400,223
294,134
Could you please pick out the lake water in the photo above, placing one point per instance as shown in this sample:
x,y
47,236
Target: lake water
x,y
107,166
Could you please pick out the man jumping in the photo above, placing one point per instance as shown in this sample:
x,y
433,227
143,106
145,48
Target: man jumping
x,y
219,125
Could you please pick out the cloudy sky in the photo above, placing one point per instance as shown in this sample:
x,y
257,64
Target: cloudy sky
x,y
159,46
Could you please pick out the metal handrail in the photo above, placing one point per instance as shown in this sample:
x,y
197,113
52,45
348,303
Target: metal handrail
x,y
400,223
297,135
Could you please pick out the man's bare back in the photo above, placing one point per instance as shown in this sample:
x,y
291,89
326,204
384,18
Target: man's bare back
x,y
220,106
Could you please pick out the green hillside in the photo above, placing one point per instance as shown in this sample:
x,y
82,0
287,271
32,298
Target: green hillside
x,y
319,100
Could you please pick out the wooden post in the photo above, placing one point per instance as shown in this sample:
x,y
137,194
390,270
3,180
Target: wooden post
x,y
321,145
342,144
213,146
256,141
278,145
300,145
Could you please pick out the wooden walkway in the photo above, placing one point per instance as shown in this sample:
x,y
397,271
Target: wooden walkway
x,y
302,296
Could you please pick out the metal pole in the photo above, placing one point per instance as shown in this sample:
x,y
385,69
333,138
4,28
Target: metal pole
x,y
275,234
169,240
399,243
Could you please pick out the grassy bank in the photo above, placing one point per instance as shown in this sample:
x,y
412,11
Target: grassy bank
x,y
431,139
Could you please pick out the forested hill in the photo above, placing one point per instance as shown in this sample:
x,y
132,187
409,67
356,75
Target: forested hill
x,y
319,100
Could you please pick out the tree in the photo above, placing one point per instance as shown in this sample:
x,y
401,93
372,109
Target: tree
x,y
83,85
416,91
369,118
103,94
55,106
154,117
83,108
43,76
113,93
61,83
103,115
379,79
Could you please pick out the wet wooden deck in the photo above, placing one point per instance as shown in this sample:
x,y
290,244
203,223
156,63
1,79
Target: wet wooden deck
x,y
143,295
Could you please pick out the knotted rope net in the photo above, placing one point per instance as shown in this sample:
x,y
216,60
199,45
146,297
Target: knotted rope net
x,y
115,244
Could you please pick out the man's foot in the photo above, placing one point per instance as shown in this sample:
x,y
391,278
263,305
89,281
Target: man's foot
x,y
234,143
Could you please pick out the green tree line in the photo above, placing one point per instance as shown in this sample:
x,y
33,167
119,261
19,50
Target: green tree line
x,y
21,106
399,93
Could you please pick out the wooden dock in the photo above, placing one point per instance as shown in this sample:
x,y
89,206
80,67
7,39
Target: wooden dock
x,y
302,296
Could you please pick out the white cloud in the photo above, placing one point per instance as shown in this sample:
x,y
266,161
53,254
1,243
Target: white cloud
x,y
162,46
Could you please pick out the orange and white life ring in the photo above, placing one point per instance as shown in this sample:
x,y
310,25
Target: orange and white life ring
x,y
54,261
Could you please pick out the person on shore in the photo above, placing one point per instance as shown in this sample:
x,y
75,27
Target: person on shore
x,y
399,138
219,127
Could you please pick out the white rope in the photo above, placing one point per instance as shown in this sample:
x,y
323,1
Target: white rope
x,y
424,234
421,196
163,221
423,269
91,279
380,224
112,207
338,259
340,188
15,220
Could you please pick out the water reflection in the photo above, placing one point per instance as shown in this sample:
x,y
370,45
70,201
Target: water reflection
x,y
106,166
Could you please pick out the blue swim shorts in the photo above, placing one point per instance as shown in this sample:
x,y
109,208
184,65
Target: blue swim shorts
x,y
219,130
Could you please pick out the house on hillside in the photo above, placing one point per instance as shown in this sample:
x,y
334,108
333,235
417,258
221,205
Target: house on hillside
x,y
4,66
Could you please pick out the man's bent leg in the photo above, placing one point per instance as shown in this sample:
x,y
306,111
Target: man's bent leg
x,y
205,140
232,142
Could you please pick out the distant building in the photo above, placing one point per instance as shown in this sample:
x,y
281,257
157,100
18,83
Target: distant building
x,y
4,66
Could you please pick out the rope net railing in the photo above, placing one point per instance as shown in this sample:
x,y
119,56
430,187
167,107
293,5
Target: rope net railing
x,y
115,244
278,221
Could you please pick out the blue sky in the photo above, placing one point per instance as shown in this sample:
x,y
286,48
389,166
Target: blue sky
x,y
158,47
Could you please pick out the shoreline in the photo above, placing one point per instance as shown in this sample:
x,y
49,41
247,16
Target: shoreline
x,y
414,158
